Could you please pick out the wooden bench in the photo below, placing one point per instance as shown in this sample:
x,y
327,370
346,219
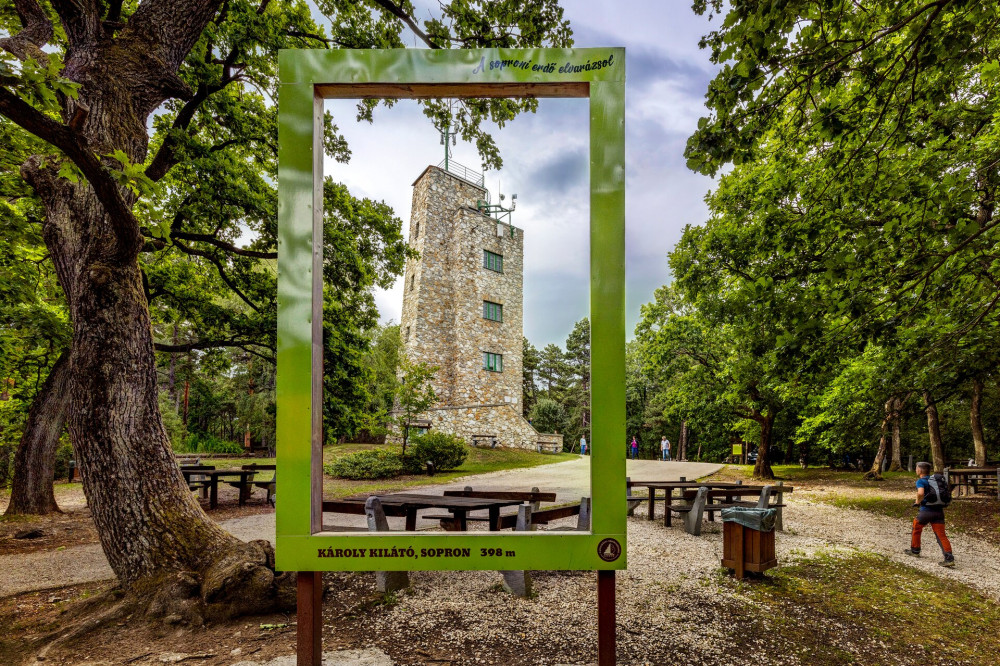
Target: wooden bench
x,y
269,486
490,441
196,482
519,582
534,497
971,480
549,448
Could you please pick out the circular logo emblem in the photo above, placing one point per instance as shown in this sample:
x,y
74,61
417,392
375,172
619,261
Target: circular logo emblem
x,y
609,550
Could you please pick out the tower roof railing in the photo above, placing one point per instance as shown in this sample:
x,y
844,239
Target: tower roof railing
x,y
462,171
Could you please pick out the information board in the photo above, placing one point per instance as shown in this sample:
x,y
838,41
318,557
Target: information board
x,y
307,78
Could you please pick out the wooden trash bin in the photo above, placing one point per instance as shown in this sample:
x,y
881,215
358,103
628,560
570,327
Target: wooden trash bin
x,y
745,549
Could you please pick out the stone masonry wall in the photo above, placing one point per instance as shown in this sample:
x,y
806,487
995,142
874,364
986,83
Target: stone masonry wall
x,y
442,321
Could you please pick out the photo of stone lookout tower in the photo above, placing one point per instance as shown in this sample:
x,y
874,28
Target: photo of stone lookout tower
x,y
463,310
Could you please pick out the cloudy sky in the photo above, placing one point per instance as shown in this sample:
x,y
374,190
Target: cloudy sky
x,y
545,163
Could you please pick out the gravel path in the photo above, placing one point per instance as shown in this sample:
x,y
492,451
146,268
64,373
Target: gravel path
x,y
671,577
658,556
570,480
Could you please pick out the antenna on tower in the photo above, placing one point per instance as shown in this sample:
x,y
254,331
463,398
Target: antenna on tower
x,y
498,211
447,137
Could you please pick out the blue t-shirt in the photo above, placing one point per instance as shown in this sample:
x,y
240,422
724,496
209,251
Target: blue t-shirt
x,y
924,482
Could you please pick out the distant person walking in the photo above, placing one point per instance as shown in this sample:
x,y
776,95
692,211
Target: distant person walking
x,y
635,448
933,495
665,447
583,445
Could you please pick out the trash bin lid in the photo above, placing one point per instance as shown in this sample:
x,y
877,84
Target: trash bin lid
x,y
761,520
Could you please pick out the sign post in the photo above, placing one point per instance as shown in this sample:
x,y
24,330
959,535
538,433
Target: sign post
x,y
307,78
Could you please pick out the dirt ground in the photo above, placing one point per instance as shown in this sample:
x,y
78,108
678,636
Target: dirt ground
x,y
75,527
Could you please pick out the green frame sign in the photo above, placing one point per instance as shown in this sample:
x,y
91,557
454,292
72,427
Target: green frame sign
x,y
307,78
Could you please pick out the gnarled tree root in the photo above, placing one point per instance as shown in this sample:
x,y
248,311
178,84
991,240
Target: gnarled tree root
x,y
237,583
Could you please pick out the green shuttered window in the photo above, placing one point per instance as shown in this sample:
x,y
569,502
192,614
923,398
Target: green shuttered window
x,y
492,311
492,362
493,261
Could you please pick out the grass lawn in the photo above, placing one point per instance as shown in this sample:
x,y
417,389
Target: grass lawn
x,y
859,608
479,461
891,497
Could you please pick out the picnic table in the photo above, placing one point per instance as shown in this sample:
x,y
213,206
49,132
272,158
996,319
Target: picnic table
x,y
718,496
408,504
669,487
973,478
242,479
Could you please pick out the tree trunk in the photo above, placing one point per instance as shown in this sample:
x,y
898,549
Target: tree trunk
x,y
934,433
875,473
762,470
682,445
35,461
975,416
157,539
897,446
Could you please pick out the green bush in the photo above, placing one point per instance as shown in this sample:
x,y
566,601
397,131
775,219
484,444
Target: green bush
x,y
198,442
374,464
548,416
63,455
444,450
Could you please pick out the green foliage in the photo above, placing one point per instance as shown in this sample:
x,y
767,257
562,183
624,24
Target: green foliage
x,y
849,255
414,394
372,464
64,454
383,358
172,421
530,362
197,442
444,450
547,415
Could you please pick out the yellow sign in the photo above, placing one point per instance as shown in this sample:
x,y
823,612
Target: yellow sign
x,y
737,449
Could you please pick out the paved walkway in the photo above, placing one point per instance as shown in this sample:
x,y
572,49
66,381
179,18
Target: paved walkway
x,y
570,480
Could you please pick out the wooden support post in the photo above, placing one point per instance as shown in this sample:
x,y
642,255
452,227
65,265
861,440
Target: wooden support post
x,y
309,612
606,618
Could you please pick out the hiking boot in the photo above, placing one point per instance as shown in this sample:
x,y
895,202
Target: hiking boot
x,y
911,552
950,563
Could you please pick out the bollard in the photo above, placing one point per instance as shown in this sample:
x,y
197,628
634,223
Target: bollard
x,y
909,463
72,471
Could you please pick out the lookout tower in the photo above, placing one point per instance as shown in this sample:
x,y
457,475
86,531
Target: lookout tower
x,y
463,309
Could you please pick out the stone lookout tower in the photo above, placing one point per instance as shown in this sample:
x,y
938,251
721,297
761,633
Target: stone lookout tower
x,y
462,312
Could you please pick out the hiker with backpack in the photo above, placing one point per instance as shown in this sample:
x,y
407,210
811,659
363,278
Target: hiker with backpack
x,y
933,495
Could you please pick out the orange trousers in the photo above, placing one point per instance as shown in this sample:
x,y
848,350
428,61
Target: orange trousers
x,y
937,524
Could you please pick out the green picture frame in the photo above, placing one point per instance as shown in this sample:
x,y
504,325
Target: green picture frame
x,y
307,77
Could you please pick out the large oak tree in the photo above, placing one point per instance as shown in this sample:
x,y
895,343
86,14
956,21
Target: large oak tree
x,y
86,78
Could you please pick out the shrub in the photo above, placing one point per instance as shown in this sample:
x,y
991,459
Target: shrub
x,y
548,416
63,455
197,442
444,450
374,464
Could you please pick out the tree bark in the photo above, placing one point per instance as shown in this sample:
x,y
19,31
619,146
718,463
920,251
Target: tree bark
x,y
762,470
897,448
934,433
35,461
875,473
683,443
157,539
978,440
